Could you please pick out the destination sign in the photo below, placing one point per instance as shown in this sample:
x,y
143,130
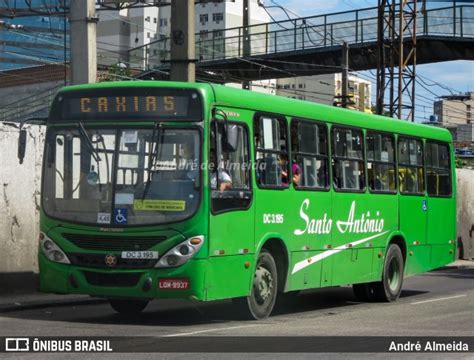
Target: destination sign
x,y
128,104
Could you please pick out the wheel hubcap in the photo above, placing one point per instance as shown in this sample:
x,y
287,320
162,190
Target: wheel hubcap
x,y
393,275
263,284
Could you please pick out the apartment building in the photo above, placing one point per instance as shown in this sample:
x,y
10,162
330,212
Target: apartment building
x,y
454,109
327,89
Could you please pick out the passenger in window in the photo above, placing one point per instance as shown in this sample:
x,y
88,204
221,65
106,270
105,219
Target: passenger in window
x,y
296,170
225,181
296,179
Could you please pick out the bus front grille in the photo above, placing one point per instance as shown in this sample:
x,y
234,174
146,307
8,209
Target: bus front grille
x,y
112,280
113,243
98,260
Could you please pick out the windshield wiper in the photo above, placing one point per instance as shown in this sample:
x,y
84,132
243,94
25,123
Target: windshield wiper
x,y
90,145
152,155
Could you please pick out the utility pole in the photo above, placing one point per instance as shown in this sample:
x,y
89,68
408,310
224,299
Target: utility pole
x,y
83,29
246,38
183,55
345,74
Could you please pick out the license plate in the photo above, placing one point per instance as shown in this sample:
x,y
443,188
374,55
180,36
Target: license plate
x,y
139,254
173,284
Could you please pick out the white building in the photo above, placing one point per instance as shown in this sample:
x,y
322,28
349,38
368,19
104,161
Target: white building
x,y
327,89
217,26
454,109
118,31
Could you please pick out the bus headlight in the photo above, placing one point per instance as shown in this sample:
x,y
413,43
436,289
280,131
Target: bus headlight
x,y
181,253
52,251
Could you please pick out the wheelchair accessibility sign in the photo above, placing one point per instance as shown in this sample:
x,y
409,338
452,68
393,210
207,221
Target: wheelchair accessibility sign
x,y
120,216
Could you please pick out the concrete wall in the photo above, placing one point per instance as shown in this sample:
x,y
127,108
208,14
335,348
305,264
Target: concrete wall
x,y
465,212
19,200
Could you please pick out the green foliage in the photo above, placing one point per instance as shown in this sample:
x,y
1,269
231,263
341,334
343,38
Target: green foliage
x,y
459,162
116,72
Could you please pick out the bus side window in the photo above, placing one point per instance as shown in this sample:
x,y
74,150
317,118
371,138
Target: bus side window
x,y
271,152
438,169
381,162
348,159
310,155
230,174
410,166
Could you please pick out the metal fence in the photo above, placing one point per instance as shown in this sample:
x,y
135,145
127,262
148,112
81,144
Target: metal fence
x,y
354,27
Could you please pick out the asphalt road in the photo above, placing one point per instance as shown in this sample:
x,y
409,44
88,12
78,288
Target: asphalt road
x,y
439,303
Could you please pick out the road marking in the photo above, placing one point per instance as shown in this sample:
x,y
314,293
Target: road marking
x,y
438,299
211,330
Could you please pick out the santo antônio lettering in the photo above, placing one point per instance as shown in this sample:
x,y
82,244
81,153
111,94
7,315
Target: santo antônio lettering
x,y
126,104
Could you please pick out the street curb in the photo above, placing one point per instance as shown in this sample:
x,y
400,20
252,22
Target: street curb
x,y
452,267
11,307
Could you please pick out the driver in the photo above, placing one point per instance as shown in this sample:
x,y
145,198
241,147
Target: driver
x,y
225,181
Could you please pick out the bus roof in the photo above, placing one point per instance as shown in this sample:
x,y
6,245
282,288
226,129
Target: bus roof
x,y
227,96
244,99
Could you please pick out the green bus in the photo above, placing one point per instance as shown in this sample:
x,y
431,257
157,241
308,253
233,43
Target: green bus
x,y
199,191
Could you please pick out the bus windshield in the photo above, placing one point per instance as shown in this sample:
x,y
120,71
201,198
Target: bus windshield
x,y
121,177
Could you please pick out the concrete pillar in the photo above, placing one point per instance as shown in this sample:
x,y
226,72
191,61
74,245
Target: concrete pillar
x,y
182,41
83,42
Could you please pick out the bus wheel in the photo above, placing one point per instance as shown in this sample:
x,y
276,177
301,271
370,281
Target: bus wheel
x,y
128,307
390,288
259,304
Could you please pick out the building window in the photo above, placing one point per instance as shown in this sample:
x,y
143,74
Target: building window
x,y
203,18
147,19
154,20
203,34
300,86
217,17
163,22
218,33
286,86
148,35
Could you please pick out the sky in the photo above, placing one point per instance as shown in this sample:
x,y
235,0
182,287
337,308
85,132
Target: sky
x,y
458,75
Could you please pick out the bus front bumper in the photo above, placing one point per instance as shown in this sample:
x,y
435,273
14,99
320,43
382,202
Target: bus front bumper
x,y
184,282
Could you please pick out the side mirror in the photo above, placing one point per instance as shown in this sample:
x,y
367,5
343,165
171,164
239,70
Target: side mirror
x,y
22,145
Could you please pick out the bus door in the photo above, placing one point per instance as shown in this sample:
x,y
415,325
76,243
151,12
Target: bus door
x,y
352,246
310,205
441,205
231,228
413,201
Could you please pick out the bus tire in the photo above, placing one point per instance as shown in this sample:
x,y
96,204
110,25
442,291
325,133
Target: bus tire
x,y
261,301
390,288
128,307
